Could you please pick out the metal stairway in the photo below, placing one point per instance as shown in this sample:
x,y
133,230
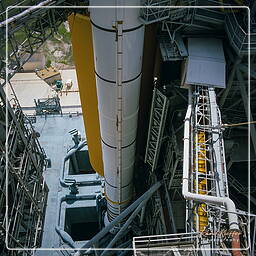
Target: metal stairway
x,y
151,15
172,48
159,109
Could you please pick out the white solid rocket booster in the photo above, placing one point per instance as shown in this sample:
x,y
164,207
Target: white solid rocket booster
x,y
118,38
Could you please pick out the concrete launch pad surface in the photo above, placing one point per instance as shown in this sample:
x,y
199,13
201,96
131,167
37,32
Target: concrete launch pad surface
x,y
56,141
28,86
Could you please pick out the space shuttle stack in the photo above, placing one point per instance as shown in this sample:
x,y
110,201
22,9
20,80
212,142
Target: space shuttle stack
x,y
118,38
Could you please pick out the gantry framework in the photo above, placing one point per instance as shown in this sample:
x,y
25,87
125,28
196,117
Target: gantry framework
x,y
22,221
206,221
208,176
20,52
22,164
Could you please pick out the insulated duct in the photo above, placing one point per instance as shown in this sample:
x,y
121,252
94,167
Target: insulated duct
x,y
208,199
118,38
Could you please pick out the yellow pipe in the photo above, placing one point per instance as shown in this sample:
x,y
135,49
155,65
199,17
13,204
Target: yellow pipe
x,y
202,185
82,45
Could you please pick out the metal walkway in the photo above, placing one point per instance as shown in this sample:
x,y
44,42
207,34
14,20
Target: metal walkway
x,y
206,19
158,115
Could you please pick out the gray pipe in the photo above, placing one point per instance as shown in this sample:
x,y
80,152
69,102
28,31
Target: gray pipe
x,y
142,215
125,246
66,238
63,182
67,182
74,149
120,217
121,232
125,251
75,164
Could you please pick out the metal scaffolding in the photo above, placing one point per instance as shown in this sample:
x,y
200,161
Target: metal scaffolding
x,y
27,192
47,106
28,30
22,164
210,19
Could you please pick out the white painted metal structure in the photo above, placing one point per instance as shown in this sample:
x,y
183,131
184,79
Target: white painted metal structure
x,y
218,146
118,37
217,196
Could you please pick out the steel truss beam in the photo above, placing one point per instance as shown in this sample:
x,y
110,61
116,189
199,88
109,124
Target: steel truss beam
x,y
159,109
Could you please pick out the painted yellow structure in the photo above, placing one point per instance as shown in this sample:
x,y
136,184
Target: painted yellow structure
x,y
82,44
202,182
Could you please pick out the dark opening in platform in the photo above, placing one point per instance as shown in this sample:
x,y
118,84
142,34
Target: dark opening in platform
x,y
81,223
80,163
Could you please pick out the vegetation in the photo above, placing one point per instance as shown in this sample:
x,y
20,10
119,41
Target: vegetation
x,y
64,33
48,63
58,50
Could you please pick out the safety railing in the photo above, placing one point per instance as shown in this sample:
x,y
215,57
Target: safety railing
x,y
162,244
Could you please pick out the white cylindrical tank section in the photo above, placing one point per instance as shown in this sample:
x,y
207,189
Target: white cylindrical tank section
x,y
118,185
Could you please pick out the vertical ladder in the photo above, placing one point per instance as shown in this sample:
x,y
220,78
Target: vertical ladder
x,y
159,109
201,156
202,182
